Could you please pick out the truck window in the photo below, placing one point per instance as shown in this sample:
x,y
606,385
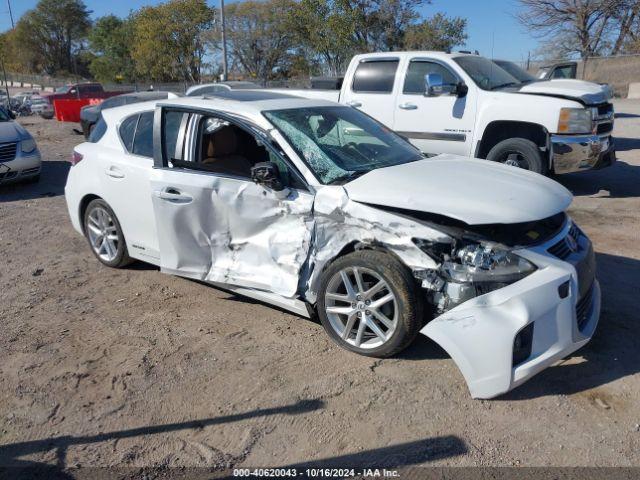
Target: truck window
x,y
375,76
143,140
414,80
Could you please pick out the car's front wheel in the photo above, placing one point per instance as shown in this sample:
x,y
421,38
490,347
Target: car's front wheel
x,y
105,235
368,303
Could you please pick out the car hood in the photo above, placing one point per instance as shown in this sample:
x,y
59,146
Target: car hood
x,y
588,92
473,191
12,132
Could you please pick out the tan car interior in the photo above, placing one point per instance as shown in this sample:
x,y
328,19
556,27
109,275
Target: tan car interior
x,y
231,150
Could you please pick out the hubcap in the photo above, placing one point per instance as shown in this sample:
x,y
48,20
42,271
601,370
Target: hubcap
x,y
102,234
516,160
361,307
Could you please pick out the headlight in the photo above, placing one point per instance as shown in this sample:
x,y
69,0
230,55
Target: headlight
x,y
477,262
469,269
575,120
28,145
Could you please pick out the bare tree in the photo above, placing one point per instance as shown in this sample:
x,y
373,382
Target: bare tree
x,y
627,18
574,26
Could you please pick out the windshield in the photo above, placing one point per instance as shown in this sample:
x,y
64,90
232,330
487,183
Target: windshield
x,y
64,89
522,75
486,73
341,143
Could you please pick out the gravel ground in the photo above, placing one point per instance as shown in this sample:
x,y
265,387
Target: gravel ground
x,y
103,367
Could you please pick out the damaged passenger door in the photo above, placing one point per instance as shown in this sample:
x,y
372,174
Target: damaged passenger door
x,y
214,223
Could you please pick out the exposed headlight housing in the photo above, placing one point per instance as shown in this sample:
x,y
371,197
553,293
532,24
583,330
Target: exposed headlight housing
x,y
575,120
28,145
469,269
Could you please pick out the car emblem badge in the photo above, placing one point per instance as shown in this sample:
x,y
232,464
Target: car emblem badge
x,y
571,243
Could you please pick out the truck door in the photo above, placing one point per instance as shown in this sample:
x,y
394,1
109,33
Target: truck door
x,y
373,88
435,124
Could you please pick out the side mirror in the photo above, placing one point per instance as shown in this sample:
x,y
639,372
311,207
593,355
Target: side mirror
x,y
433,85
461,89
267,175
12,115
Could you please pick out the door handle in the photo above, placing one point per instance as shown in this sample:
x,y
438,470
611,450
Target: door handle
x,y
114,172
408,106
354,104
173,195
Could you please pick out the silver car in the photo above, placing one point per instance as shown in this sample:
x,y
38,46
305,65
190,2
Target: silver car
x,y
19,155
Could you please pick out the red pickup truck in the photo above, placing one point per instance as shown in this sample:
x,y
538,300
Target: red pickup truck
x,y
78,91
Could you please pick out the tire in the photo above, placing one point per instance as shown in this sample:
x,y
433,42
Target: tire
x,y
112,252
519,152
404,313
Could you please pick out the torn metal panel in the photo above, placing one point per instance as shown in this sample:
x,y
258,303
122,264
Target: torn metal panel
x,y
233,231
339,222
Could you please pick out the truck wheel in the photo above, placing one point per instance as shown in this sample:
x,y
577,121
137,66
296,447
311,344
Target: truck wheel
x,y
519,152
369,304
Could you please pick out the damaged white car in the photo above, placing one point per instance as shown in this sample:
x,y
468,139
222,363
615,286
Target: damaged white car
x,y
317,208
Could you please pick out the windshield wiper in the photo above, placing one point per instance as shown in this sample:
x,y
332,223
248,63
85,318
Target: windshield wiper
x,y
503,85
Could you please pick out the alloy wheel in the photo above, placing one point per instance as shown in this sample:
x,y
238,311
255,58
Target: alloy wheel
x,y
103,234
361,307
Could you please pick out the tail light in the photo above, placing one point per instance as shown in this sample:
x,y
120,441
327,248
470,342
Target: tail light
x,y
76,157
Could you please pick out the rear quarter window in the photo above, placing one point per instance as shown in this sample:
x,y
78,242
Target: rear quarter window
x,y
127,130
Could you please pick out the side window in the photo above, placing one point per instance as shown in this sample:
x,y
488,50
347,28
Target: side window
x,y
564,72
173,122
375,76
127,130
143,140
414,80
288,177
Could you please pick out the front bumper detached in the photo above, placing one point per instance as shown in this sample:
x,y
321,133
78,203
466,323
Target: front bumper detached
x,y
582,152
503,338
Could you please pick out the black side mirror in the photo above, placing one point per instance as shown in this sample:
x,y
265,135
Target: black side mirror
x,y
267,174
461,89
12,115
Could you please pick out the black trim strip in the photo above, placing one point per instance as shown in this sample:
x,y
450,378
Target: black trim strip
x,y
454,137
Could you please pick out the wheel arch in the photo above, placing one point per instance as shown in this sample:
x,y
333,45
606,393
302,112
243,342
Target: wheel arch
x,y
500,130
84,203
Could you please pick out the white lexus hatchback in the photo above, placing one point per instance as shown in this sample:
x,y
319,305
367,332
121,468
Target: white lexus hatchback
x,y
317,208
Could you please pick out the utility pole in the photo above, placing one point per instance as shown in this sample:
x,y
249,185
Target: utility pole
x,y
11,14
224,42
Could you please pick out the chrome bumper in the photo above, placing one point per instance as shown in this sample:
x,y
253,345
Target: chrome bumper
x,y
581,152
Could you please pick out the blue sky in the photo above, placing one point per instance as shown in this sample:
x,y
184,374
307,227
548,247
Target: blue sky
x,y
486,18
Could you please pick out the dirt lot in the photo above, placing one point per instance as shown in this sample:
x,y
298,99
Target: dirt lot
x,y
102,367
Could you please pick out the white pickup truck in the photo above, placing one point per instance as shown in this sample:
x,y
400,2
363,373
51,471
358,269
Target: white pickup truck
x,y
469,105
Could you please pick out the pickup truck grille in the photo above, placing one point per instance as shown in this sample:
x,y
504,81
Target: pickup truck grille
x,y
8,151
603,118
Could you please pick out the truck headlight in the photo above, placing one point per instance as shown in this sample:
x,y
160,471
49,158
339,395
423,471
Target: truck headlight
x,y
28,145
575,120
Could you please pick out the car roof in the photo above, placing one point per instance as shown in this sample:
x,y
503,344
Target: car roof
x,y
243,103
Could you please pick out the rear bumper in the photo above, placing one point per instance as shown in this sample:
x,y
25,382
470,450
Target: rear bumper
x,y
581,152
22,167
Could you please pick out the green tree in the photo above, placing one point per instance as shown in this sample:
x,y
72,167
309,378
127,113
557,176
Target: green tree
x,y
110,40
52,35
168,42
436,33
259,36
